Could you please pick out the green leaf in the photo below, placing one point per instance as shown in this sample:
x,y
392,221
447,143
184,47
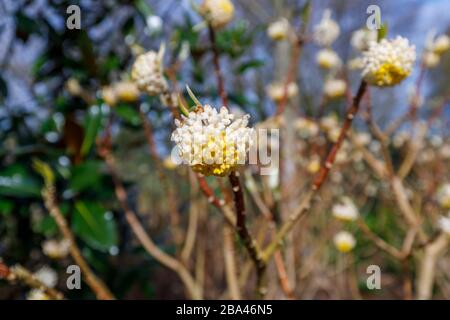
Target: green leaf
x,y
92,223
17,181
47,225
93,122
251,64
383,31
85,176
6,207
128,114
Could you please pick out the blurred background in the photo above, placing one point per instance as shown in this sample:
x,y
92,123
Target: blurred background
x,y
55,103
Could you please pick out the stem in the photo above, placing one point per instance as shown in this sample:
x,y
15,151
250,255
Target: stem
x,y
428,266
18,272
305,203
230,263
100,289
217,71
142,235
244,234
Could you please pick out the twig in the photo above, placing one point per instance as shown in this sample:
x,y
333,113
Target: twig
x,y
193,220
17,272
380,243
241,228
139,231
279,263
428,265
217,71
230,263
305,203
100,289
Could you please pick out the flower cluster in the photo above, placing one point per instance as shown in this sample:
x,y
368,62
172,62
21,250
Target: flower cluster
x,y
49,278
327,31
276,90
435,47
388,62
147,72
334,88
362,37
56,249
279,29
443,196
212,142
126,91
346,210
217,12
444,224
328,59
344,241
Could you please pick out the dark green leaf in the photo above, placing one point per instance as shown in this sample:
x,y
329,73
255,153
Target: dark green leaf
x,y
92,223
128,114
85,176
93,122
6,207
251,64
17,181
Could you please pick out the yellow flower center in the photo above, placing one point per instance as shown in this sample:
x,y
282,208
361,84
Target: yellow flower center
x,y
344,247
214,164
389,74
226,6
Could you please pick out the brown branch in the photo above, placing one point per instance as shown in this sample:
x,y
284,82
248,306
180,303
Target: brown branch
x,y
279,262
230,263
380,243
428,265
19,273
241,228
216,62
292,72
98,287
329,161
162,257
321,176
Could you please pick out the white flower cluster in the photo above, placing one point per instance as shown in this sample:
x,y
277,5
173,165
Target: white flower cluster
x,y
276,90
279,29
334,88
306,127
56,249
126,91
435,47
147,72
345,210
212,142
362,37
327,31
444,224
388,62
344,241
217,12
328,59
443,196
48,277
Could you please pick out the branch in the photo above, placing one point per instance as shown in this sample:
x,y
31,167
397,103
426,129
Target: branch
x,y
139,231
100,289
244,234
321,176
18,272
428,266
230,263
217,71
